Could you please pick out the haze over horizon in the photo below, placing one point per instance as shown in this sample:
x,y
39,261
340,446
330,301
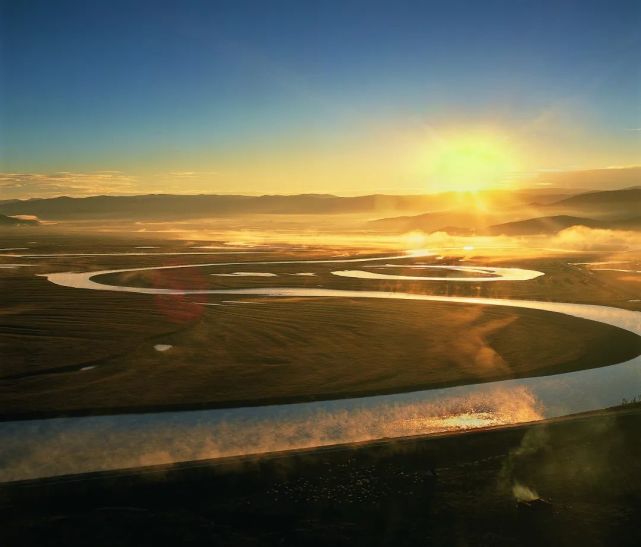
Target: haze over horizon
x,y
344,98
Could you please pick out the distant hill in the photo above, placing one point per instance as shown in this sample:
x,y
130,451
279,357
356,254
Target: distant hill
x,y
467,225
170,207
611,203
429,212
461,224
436,221
633,223
161,207
542,225
504,213
11,221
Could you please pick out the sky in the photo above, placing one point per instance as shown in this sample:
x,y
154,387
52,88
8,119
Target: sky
x,y
345,97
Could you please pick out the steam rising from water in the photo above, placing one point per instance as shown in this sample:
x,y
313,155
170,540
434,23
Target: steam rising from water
x,y
75,445
524,493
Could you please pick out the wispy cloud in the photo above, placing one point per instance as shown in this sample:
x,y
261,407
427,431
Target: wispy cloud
x,y
189,174
21,185
90,183
606,178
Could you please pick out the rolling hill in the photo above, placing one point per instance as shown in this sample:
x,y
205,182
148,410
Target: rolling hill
x,y
613,209
164,207
542,225
616,204
170,207
442,221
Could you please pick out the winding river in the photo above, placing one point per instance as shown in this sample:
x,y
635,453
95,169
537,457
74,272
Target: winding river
x,y
38,448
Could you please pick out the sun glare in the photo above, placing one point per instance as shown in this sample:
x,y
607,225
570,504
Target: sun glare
x,y
468,163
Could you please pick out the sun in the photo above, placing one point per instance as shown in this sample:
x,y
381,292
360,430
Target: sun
x,y
468,163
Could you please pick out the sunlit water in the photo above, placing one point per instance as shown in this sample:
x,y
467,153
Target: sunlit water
x,y
246,274
489,273
38,448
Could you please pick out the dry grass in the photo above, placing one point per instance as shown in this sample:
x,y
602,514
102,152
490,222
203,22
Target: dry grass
x,y
277,349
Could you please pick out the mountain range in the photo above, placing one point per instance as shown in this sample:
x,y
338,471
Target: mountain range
x,y
517,212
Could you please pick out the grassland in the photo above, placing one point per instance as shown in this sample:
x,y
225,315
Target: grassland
x,y
71,351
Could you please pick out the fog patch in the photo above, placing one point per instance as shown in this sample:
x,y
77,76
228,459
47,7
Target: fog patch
x,y
596,239
524,493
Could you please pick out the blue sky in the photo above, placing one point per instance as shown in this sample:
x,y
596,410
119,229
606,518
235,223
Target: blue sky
x,y
273,96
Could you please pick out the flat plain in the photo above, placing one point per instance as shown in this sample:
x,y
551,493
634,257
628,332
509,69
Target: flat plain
x,y
79,351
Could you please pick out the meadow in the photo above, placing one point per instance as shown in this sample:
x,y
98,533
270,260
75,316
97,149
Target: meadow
x,y
78,351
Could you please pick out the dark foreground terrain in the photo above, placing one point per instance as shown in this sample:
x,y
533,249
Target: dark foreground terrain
x,y
445,490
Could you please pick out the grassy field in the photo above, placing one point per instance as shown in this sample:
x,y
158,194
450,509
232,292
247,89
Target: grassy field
x,y
78,351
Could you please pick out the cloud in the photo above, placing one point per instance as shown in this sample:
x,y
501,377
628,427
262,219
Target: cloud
x,y
91,183
188,174
581,238
615,176
444,240
575,238
25,217
21,185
